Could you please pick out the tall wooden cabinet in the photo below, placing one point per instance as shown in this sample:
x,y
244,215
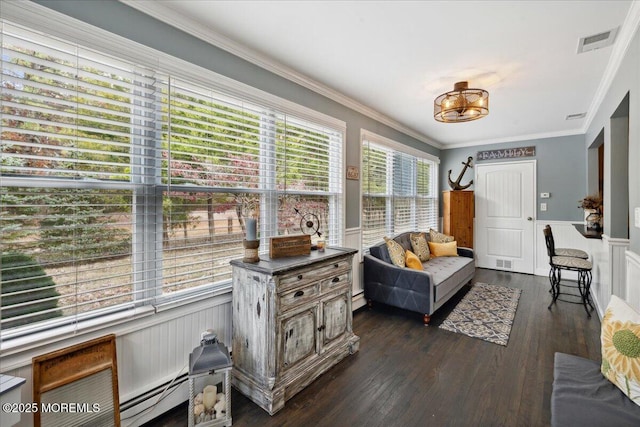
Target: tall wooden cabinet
x,y
457,216
292,321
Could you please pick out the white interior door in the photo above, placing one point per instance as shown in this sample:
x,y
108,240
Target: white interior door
x,y
505,215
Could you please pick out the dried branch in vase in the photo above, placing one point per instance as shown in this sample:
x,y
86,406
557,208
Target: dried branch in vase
x,y
591,202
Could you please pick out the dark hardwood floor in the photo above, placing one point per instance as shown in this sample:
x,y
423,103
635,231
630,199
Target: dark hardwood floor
x,y
406,374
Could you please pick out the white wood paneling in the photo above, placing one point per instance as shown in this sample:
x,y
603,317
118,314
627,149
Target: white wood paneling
x,y
633,279
150,353
565,235
169,344
353,240
617,266
607,255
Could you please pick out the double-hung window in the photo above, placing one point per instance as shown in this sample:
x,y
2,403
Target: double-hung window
x,y
399,189
126,184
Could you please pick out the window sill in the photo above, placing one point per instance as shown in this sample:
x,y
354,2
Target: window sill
x,y
17,352
175,301
27,342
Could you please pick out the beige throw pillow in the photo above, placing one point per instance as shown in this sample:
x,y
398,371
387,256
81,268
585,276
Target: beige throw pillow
x,y
420,246
396,252
437,237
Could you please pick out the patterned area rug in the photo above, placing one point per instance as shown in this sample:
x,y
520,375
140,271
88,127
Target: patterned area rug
x,y
485,312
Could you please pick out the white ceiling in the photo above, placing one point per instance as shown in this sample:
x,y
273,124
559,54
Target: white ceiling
x,y
392,58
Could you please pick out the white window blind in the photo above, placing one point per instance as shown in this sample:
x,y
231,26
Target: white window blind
x,y
74,124
399,191
122,185
309,179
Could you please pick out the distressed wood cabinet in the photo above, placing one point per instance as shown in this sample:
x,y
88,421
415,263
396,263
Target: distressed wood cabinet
x,y
292,321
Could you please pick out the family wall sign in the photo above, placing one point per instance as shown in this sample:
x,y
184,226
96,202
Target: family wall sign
x,y
506,153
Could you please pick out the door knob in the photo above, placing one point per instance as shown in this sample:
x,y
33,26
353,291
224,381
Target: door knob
x,y
529,218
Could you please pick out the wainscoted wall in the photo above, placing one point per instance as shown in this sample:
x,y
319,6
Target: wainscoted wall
x,y
353,239
565,236
160,354
633,279
610,264
617,266
151,352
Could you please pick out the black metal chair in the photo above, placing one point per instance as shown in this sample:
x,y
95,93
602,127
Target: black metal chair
x,y
558,263
575,253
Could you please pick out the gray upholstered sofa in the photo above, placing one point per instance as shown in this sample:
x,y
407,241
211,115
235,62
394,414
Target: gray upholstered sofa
x,y
583,397
420,291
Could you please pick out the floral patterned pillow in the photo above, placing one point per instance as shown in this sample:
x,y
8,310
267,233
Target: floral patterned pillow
x,y
436,237
620,339
419,246
396,252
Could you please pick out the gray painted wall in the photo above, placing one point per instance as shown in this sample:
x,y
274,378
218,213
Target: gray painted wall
x,y
560,162
127,22
626,80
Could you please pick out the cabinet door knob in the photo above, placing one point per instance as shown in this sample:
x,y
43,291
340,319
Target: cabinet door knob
x,y
320,328
298,294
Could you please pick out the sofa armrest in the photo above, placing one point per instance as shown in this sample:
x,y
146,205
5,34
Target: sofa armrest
x,y
399,287
465,252
378,271
582,396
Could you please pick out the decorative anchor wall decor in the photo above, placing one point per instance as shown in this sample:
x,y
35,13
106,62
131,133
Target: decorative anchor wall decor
x,y
456,185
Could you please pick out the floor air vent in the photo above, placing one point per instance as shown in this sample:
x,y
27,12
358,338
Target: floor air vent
x,y
503,263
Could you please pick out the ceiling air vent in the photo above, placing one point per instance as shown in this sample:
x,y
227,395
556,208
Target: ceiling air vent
x,y
597,41
576,116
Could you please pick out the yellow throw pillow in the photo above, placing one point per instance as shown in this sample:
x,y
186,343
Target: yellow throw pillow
x,y
413,261
444,249
420,246
396,252
620,343
436,237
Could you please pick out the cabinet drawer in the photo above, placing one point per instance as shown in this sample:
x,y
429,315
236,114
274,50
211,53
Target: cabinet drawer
x,y
306,275
339,279
300,295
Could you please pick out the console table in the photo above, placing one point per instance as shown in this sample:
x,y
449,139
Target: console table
x,y
587,232
292,321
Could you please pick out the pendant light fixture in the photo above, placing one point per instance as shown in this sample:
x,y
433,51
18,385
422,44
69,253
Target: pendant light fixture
x,y
461,104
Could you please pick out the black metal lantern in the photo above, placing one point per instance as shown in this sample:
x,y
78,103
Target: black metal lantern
x,y
210,383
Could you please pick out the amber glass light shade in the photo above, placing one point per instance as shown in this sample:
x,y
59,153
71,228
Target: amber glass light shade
x,y
461,104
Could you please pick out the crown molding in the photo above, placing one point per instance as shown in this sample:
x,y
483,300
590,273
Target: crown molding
x,y
388,142
528,137
620,47
165,14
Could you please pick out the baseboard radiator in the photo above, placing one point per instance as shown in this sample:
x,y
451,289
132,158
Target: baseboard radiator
x,y
155,402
